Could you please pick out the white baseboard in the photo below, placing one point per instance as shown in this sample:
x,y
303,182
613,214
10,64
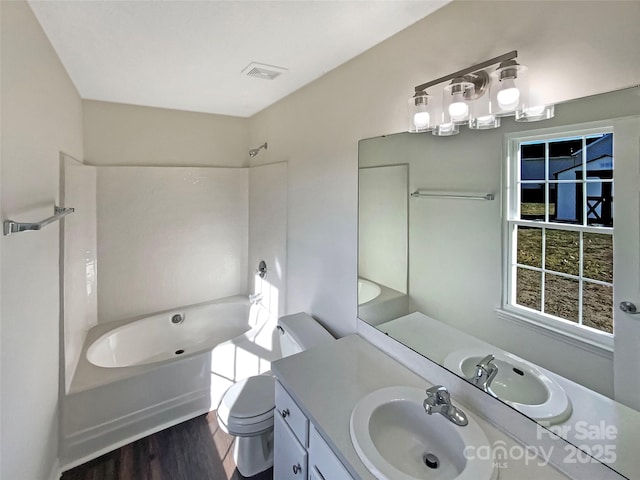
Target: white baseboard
x,y
56,471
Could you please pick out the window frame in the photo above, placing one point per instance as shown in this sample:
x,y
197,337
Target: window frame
x,y
546,323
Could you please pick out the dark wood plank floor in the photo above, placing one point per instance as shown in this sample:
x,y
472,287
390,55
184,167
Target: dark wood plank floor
x,y
194,450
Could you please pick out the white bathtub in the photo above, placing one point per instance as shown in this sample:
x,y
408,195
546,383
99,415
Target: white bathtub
x,y
157,338
367,291
130,381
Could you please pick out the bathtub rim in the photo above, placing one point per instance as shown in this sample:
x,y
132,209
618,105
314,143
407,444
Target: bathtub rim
x,y
88,375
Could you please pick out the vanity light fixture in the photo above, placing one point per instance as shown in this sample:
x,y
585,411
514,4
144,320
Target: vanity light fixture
x,y
477,98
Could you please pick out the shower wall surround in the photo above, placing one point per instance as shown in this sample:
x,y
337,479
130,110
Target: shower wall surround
x,y
79,259
268,233
169,236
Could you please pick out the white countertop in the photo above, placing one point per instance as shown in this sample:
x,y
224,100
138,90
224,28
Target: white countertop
x,y
328,381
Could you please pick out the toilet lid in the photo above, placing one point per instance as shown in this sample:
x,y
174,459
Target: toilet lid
x,y
248,398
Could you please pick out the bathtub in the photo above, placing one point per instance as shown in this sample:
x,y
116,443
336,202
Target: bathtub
x,y
141,375
367,291
157,338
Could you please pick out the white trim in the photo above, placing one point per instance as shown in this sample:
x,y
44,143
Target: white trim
x,y
592,342
56,471
561,226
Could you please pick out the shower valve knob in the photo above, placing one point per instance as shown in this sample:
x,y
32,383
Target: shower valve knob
x,y
629,307
262,269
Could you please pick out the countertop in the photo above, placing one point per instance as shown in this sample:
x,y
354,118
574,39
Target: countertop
x,y
329,380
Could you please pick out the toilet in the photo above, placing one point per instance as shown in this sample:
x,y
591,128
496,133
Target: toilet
x,y
246,409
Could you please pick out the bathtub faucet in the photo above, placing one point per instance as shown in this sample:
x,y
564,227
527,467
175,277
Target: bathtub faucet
x,y
255,298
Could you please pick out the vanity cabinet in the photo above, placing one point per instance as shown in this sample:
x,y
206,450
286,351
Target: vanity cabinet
x,y
299,450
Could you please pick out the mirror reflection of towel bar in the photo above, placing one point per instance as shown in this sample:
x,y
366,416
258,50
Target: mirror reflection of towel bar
x,y
9,226
457,195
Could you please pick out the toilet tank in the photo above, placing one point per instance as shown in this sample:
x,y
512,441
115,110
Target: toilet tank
x,y
299,332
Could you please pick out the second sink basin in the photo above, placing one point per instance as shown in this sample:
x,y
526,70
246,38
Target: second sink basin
x,y
518,383
396,439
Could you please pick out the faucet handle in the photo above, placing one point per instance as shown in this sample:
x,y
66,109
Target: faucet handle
x,y
484,363
440,394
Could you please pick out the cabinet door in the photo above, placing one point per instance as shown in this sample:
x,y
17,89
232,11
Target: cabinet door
x,y
323,464
289,456
288,410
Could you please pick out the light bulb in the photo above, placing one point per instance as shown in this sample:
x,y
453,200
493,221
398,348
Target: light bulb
x,y
421,120
509,95
458,108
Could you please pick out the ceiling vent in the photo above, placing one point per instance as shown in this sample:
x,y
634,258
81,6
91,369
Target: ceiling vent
x,y
261,70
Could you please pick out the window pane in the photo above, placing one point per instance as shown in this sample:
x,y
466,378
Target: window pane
x,y
600,154
569,203
529,288
532,201
562,251
530,246
561,297
532,161
565,160
598,257
597,306
600,203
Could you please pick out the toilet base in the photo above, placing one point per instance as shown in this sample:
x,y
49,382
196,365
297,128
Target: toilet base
x,y
254,454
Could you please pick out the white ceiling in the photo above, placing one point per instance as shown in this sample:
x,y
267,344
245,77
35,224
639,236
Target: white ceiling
x,y
189,55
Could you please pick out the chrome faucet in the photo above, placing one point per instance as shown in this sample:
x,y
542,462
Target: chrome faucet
x,y
486,371
439,401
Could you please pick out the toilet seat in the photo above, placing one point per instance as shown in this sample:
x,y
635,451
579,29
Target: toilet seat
x,y
246,409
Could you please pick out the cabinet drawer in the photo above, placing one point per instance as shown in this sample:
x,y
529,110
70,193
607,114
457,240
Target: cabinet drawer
x,y
289,457
323,463
287,409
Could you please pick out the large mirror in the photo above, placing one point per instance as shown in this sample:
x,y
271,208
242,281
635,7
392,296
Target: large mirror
x,y
504,255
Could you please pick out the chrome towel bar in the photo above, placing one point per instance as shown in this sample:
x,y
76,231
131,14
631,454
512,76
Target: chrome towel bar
x,y
458,195
9,226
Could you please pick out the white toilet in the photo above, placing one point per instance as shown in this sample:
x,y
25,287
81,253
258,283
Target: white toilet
x,y
246,409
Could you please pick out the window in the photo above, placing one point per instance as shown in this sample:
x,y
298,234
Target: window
x,y
559,231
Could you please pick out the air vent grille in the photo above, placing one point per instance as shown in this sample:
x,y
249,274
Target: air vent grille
x,y
261,70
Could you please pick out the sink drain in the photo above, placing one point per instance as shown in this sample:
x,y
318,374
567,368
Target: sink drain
x,y
179,352
431,461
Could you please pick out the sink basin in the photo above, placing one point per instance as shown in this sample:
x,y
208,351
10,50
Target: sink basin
x,y
518,384
396,439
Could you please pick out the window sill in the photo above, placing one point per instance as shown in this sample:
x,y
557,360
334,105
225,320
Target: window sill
x,y
592,342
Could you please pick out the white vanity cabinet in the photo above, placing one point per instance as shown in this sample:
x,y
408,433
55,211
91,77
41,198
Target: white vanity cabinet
x,y
299,450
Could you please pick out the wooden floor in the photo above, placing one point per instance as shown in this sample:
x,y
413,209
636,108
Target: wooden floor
x,y
194,450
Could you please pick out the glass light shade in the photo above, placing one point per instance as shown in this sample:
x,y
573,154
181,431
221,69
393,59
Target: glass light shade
x,y
509,88
419,115
535,114
484,122
446,129
482,116
455,101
